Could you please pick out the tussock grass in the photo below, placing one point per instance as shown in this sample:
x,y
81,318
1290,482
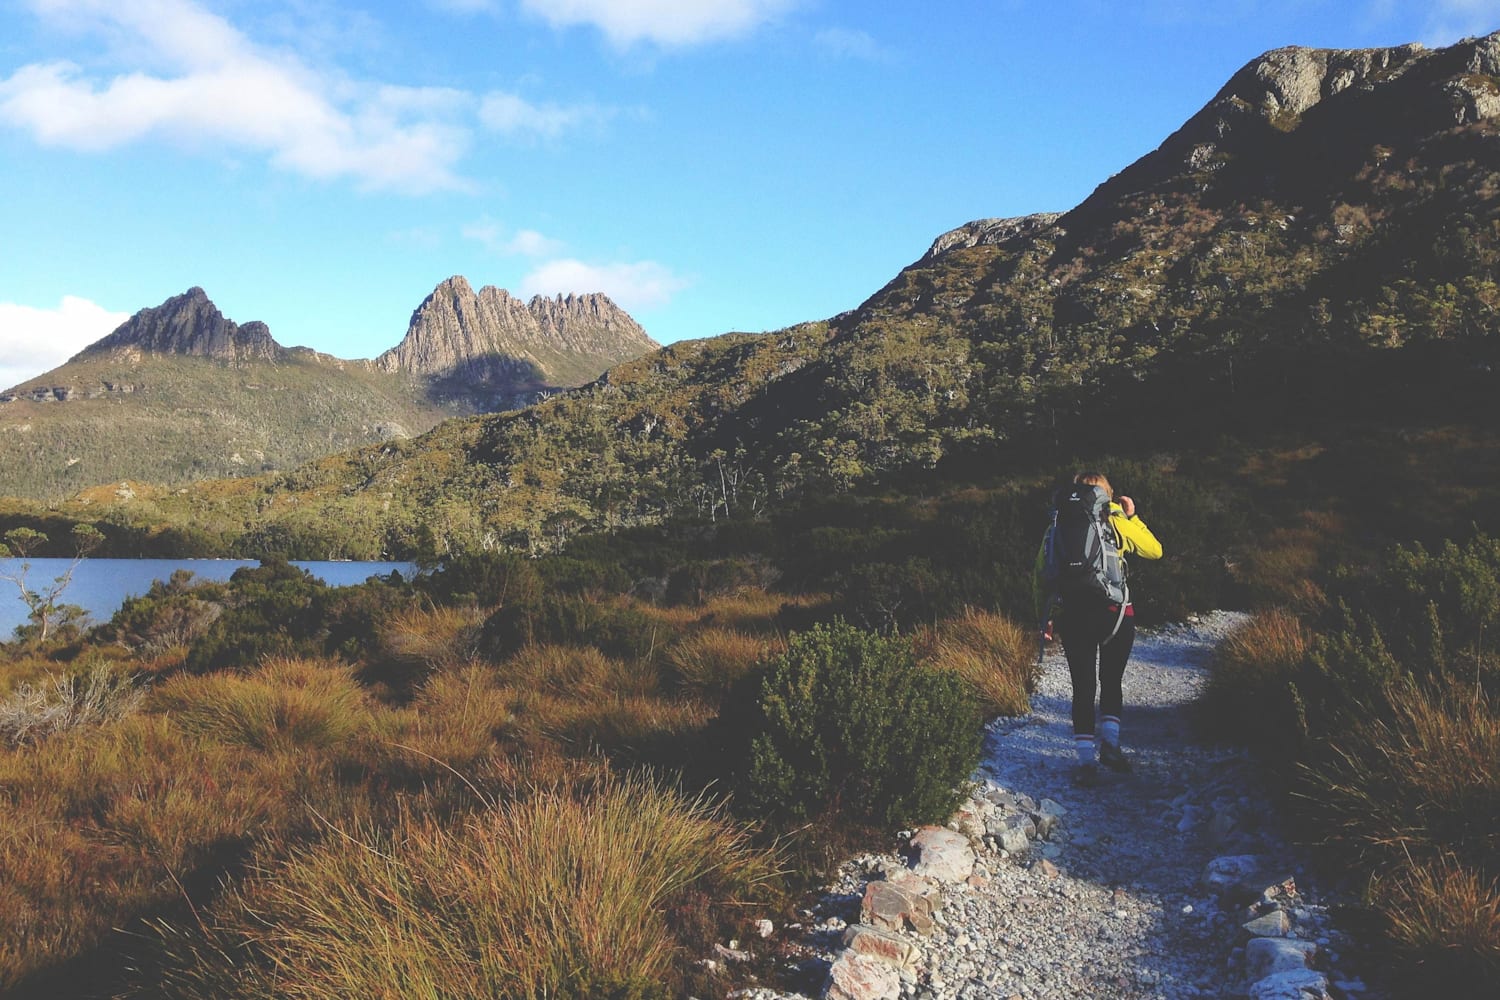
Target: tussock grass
x,y
1280,569
433,638
115,820
578,672
284,705
1418,781
560,894
460,717
707,663
990,653
1445,919
1250,693
36,711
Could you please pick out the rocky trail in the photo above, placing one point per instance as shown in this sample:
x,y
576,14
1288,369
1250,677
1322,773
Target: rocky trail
x,y
1173,881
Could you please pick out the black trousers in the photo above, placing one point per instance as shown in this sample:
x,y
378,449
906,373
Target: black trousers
x,y
1097,668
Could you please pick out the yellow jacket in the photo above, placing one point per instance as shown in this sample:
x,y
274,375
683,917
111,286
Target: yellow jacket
x,y
1135,540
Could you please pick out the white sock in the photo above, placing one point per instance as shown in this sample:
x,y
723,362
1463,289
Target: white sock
x,y
1084,746
1109,731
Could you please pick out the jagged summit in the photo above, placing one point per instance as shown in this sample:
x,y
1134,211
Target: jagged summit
x,y
189,324
489,335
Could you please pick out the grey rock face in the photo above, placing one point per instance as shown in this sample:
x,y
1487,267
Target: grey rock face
x,y
490,336
190,324
989,232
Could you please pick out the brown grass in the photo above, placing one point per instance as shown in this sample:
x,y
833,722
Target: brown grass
x,y
1247,695
1445,921
284,705
432,638
992,654
708,662
558,895
1419,782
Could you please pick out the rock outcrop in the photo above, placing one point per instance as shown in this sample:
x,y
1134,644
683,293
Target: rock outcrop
x,y
189,324
989,232
490,336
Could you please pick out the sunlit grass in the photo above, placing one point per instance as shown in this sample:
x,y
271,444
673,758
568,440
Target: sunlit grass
x,y
558,894
992,655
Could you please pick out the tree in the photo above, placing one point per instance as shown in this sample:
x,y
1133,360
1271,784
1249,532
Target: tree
x,y
46,610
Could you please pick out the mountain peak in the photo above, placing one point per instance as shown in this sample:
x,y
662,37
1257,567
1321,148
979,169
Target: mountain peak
x,y
190,324
490,336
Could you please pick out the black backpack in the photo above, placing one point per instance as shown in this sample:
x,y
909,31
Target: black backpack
x,y
1081,565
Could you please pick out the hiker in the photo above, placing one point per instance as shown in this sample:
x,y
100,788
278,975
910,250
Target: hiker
x,y
1094,618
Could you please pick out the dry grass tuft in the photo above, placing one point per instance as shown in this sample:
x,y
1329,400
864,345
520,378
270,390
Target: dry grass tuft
x,y
558,895
578,672
284,705
709,662
1248,691
1419,782
992,654
433,638
1445,919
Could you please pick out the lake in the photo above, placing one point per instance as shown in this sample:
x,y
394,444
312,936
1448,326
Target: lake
x,y
100,586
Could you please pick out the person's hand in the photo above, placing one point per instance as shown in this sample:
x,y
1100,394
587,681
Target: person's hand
x,y
1127,505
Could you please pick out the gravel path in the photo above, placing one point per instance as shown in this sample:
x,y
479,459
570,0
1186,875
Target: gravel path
x,y
1111,905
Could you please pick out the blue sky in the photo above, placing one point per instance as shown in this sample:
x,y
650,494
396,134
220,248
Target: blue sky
x,y
713,165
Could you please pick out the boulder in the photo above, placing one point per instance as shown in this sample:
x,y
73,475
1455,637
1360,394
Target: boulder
x,y
942,854
860,977
1267,956
1297,984
890,906
889,947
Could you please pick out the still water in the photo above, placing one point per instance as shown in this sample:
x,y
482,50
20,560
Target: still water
x,y
100,586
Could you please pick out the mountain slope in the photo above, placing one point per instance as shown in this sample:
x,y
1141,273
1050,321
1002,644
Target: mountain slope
x,y
180,392
1326,229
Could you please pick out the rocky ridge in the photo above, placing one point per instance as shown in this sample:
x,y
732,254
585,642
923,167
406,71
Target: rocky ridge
x,y
188,324
1174,881
1273,94
989,232
490,336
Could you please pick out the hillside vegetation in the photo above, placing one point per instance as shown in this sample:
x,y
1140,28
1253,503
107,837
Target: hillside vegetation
x,y
717,569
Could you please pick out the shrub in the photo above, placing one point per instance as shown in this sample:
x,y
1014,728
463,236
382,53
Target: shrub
x,y
846,721
275,609
990,653
562,895
36,711
488,579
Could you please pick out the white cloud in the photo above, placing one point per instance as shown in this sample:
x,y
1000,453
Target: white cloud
x,y
33,341
521,243
213,86
633,287
847,43
667,23
513,115
530,243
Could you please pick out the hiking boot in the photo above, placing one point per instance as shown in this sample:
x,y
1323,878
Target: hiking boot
x,y
1086,775
1112,757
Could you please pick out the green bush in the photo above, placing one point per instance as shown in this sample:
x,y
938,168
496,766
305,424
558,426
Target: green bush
x,y
488,579
847,722
275,609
